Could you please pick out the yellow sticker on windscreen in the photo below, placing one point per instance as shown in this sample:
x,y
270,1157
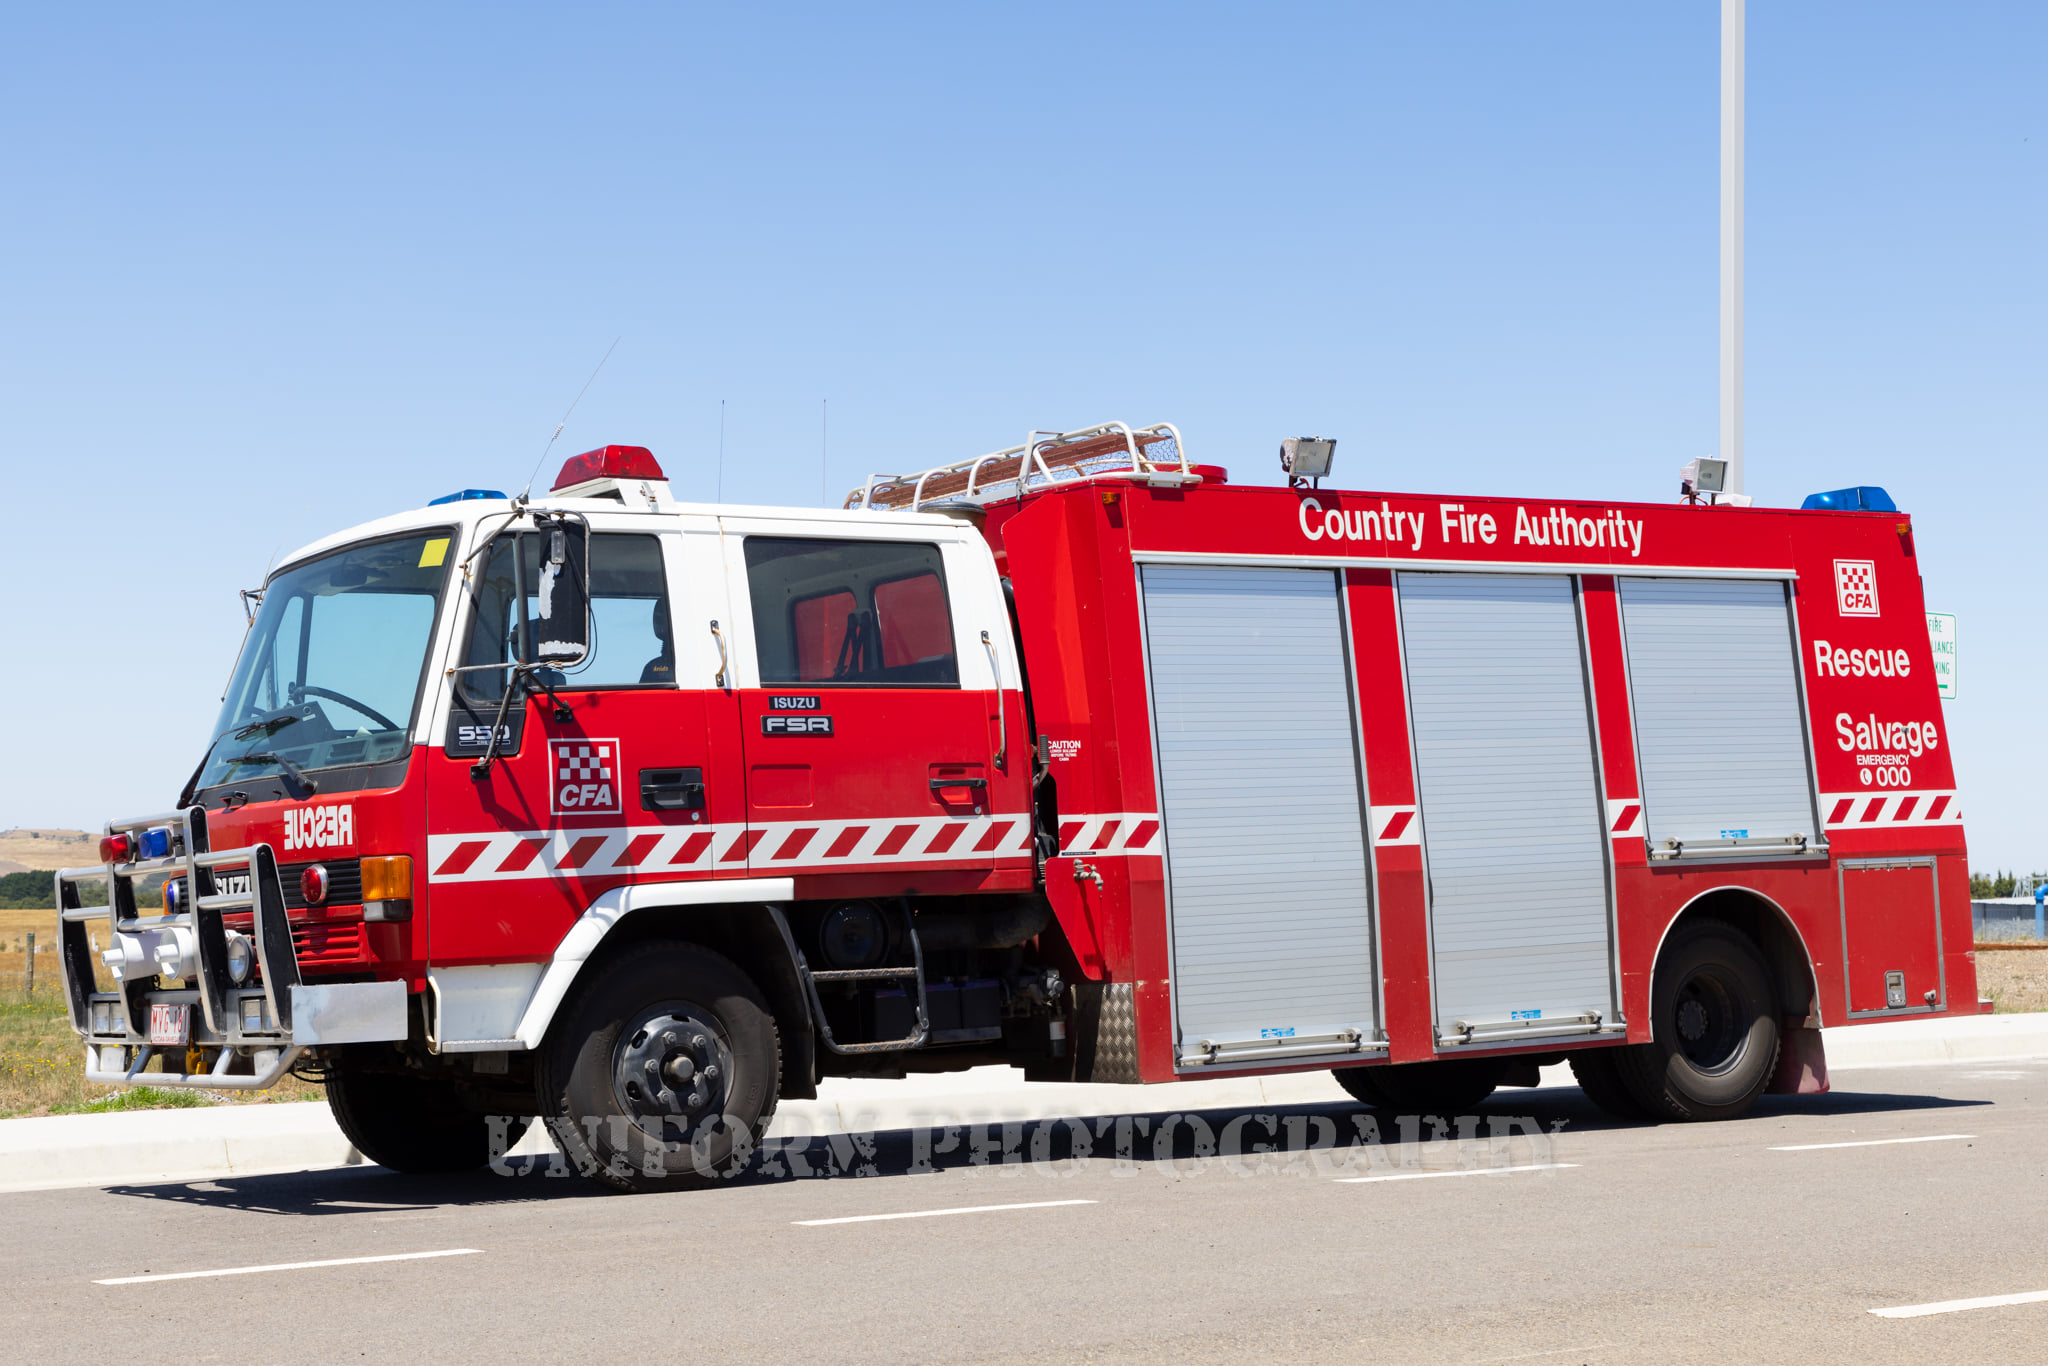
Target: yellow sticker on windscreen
x,y
434,553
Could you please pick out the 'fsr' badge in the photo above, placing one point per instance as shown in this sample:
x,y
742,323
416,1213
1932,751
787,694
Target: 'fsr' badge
x,y
585,778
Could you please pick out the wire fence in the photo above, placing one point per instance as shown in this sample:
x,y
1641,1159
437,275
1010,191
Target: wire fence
x,y
2008,920
23,973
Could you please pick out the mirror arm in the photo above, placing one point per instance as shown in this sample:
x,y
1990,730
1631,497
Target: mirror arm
x,y
482,767
533,684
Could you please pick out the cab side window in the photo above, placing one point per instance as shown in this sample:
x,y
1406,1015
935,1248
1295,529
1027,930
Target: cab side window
x,y
850,613
631,639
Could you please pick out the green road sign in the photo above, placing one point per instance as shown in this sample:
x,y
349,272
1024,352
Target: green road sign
x,y
1941,634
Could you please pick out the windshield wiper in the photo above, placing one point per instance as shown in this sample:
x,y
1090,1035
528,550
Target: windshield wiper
x,y
266,728
268,756
250,731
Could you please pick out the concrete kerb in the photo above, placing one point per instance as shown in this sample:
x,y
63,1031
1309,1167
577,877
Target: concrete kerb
x,y
1931,1042
149,1146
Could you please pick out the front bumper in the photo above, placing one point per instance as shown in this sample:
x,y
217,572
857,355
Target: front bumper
x,y
243,1036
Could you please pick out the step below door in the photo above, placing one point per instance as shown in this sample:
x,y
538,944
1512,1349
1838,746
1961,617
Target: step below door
x,y
1261,804
1511,814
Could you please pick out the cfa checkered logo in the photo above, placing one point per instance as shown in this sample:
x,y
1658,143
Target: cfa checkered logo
x,y
585,780
1856,587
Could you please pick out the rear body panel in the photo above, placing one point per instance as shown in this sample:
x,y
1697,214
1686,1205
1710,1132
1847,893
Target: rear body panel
x,y
1544,793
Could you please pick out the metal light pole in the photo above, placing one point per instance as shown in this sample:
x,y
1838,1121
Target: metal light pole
x,y
1731,241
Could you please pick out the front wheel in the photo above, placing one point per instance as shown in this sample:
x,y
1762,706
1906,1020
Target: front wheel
x,y
662,1071
1714,1027
409,1123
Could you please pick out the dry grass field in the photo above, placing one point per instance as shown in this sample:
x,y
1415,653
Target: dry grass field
x,y
15,924
2016,979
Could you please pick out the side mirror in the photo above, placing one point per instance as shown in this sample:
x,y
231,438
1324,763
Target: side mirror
x,y
561,629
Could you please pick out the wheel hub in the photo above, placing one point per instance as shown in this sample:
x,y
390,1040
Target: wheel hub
x,y
672,1063
1711,1022
1692,1021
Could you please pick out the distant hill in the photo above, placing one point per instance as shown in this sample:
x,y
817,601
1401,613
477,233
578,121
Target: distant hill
x,y
22,850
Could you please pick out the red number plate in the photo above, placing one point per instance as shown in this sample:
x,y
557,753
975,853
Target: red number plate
x,y
170,1024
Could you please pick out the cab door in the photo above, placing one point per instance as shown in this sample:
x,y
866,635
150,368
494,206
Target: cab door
x,y
622,784
871,710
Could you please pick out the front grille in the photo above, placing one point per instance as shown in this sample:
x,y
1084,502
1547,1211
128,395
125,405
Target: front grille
x,y
322,944
344,882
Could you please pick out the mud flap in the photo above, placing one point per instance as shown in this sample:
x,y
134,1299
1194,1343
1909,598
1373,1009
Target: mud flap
x,y
1105,1033
1802,1064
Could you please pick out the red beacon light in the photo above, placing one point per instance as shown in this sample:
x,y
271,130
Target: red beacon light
x,y
608,462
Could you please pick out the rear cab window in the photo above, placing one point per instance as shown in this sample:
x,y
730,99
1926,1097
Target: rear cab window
x,y
850,613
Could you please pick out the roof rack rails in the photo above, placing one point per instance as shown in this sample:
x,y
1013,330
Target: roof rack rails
x,y
1045,458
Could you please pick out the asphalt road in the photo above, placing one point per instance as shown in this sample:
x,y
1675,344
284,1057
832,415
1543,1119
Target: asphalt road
x,y
1606,1243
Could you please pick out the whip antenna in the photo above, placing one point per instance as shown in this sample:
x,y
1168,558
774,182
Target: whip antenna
x,y
525,492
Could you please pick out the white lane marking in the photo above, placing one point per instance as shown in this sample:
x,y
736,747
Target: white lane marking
x,y
935,1213
290,1266
1870,1143
1915,1311
1475,1171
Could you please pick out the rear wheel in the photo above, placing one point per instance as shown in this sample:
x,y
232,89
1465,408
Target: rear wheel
x,y
1714,1022
1599,1077
1359,1082
662,1070
411,1124
1445,1086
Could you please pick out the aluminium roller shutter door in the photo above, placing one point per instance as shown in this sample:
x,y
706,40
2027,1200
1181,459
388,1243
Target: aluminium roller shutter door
x,y
1261,805
1511,813
1720,734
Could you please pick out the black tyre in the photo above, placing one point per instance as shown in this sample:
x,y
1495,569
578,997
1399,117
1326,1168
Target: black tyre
x,y
661,1070
1359,1082
1599,1077
411,1124
1714,1022
1446,1086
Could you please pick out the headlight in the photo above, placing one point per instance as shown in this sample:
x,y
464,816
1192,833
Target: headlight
x,y
241,958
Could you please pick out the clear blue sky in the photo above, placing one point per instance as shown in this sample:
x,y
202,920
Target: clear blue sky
x,y
268,272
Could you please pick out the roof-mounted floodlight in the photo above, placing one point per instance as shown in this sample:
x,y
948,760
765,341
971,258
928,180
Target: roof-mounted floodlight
x,y
1700,480
1307,457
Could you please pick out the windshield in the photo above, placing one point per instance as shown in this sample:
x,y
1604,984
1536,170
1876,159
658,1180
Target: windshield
x,y
330,674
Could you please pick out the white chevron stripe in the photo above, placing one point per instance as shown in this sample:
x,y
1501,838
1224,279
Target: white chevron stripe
x,y
1117,832
665,850
1392,825
1876,809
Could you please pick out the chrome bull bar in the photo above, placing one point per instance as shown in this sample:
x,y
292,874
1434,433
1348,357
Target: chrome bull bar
x,y
253,1022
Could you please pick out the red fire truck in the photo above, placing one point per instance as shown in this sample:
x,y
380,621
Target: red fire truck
x,y
635,815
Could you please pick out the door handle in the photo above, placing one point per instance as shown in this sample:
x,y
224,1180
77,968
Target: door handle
x,y
941,784
672,789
